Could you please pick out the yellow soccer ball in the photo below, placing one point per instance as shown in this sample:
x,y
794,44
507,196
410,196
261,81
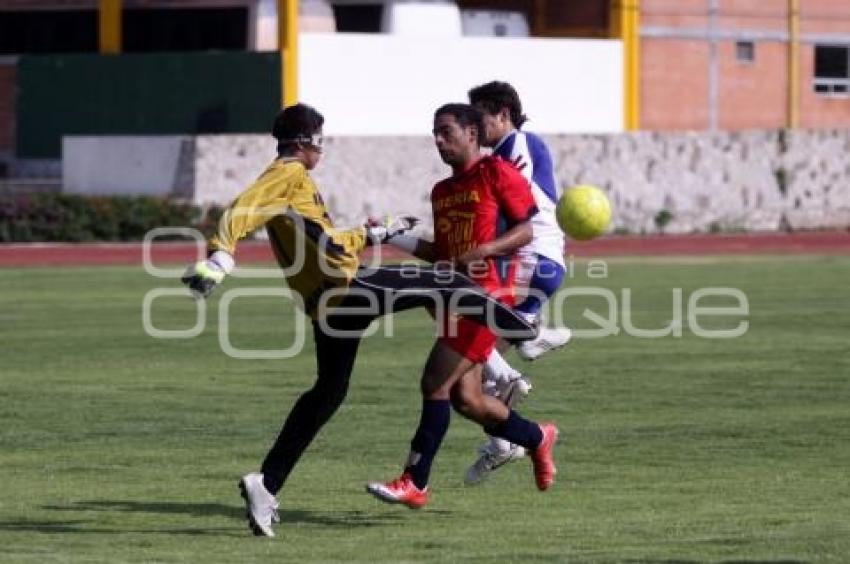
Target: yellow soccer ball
x,y
583,212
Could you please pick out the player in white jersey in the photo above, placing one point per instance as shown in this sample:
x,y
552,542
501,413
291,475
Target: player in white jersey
x,y
542,260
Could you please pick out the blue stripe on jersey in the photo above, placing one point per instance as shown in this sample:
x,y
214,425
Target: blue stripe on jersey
x,y
507,147
543,174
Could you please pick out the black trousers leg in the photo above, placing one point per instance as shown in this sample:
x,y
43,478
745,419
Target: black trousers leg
x,y
335,359
404,288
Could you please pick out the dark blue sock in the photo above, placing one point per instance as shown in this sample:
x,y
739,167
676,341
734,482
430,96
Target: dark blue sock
x,y
518,430
433,425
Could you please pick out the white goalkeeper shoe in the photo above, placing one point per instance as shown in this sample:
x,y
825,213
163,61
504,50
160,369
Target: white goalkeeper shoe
x,y
494,454
549,339
260,505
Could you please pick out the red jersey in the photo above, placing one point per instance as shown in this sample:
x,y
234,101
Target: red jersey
x,y
477,206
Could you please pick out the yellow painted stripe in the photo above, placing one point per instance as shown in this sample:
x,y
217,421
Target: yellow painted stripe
x,y
287,26
625,26
109,26
630,35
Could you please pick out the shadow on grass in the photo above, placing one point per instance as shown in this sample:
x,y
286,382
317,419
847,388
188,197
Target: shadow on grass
x,y
159,507
341,519
737,561
88,527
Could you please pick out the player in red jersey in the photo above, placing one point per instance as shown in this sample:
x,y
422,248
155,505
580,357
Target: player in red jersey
x,y
481,217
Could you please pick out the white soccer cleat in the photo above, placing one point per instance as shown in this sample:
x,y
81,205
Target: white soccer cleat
x,y
512,392
549,339
260,505
492,457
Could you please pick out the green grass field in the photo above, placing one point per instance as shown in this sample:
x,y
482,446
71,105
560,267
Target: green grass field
x,y
117,447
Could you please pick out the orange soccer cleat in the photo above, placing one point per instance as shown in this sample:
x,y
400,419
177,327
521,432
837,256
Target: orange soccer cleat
x,y
541,457
401,490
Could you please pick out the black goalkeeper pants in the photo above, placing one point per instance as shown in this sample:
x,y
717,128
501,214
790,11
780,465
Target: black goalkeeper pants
x,y
373,293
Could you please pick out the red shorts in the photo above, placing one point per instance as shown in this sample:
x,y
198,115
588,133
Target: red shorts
x,y
470,340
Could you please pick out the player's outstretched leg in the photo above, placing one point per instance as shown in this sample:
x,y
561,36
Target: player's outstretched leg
x,y
260,505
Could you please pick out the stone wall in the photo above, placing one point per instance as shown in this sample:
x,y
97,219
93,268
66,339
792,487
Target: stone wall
x,y
756,180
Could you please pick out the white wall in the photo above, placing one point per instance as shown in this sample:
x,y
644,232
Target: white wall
x,y
128,165
370,84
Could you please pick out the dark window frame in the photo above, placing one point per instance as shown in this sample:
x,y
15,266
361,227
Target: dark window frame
x,y
745,51
827,82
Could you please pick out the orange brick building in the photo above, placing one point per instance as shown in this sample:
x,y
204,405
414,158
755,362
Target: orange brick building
x,y
729,64
697,64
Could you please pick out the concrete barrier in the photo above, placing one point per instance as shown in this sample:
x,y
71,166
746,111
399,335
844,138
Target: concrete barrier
x,y
754,180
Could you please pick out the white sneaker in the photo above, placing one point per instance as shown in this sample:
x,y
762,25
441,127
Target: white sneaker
x,y
550,338
508,390
260,505
491,459
512,392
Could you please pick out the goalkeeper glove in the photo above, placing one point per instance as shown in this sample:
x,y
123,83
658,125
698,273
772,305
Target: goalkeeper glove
x,y
378,232
203,276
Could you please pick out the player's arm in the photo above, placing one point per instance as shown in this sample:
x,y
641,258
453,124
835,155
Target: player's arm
x,y
267,197
376,233
513,195
394,232
509,242
512,240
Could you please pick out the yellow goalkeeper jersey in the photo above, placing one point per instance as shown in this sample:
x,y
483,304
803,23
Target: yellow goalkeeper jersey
x,y
313,254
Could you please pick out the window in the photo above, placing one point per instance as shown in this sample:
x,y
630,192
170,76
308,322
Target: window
x,y
48,31
185,29
551,18
359,18
745,51
144,29
587,18
832,70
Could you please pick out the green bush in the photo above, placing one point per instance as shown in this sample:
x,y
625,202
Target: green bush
x,y
73,218
662,219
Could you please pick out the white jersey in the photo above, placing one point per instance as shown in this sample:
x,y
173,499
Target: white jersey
x,y
532,152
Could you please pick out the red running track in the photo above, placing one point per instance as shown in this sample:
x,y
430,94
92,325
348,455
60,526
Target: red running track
x,y
69,254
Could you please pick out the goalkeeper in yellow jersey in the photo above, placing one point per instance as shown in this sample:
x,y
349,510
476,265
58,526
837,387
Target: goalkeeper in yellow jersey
x,y
321,265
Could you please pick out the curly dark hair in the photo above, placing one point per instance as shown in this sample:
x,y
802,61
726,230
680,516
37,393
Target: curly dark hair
x,y
496,95
465,115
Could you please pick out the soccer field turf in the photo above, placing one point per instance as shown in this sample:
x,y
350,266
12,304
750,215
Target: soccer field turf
x,y
120,447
